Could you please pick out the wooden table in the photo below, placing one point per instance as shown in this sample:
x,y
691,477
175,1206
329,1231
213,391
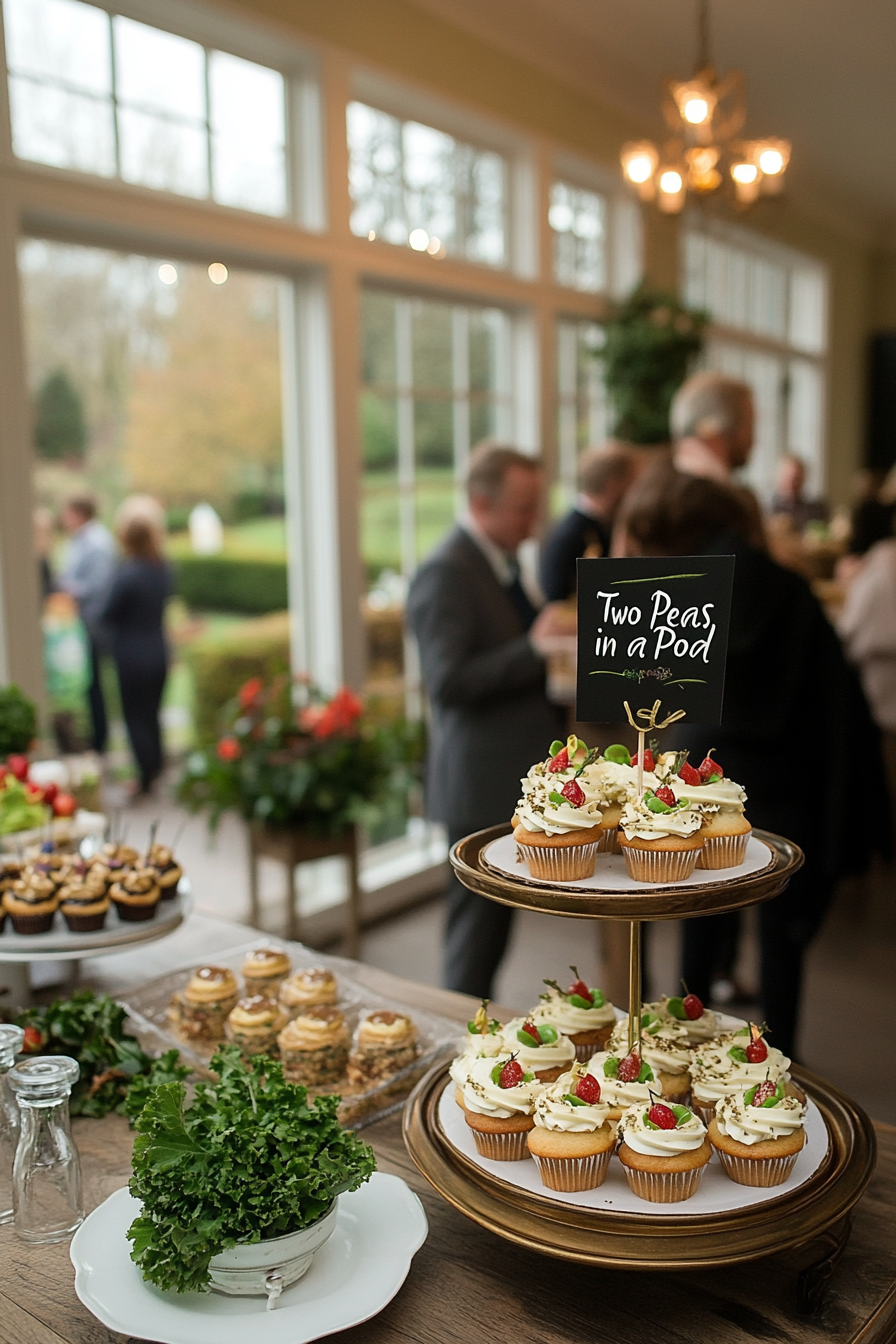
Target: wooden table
x,y
469,1287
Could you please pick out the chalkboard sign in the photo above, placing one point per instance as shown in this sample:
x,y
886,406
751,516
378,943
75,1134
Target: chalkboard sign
x,y
653,629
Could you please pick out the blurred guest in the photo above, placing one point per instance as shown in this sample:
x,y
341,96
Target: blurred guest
x,y
477,630
712,420
87,575
603,476
794,724
42,521
874,512
789,500
134,614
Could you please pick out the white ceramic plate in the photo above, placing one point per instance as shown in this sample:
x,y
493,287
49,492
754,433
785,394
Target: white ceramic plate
x,y
379,1228
60,944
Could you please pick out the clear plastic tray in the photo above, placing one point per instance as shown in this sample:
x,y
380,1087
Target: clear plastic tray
x,y
148,1005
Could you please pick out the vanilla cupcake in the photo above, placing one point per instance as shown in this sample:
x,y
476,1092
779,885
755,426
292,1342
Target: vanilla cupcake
x,y
264,971
308,988
557,817
725,829
664,1150
385,1042
573,1139
615,783
582,1013
314,1046
701,1024
758,1134
84,907
660,840
202,1008
253,1025
540,1047
637,1084
665,1047
31,902
722,1067
136,895
498,1101
168,870
483,1039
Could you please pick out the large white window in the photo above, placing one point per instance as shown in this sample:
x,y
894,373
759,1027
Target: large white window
x,y
413,185
578,220
582,411
768,307
103,94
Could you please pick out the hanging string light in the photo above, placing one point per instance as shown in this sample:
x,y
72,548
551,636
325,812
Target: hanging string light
x,y
705,114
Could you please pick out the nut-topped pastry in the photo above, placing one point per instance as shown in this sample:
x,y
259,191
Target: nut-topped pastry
x,y
498,1100
540,1047
758,1134
556,823
31,902
732,1063
264,971
306,989
665,1047
168,870
136,894
700,1023
664,1150
582,1013
202,1007
253,1025
385,1042
84,906
314,1046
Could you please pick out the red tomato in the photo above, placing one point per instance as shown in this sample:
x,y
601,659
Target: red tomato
x,y
50,792
64,805
18,766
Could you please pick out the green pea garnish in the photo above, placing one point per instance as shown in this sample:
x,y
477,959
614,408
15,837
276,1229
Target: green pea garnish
x,y
611,1067
675,1008
618,754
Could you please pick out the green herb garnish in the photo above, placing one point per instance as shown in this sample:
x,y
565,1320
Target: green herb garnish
x,y
738,1054
675,1008
573,1100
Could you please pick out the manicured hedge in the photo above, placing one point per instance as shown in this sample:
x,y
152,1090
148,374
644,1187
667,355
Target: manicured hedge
x,y
220,664
231,583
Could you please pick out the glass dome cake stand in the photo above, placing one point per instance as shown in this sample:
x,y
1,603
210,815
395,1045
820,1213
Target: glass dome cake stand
x,y
810,1213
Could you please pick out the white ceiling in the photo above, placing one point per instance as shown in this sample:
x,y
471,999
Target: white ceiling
x,y
821,73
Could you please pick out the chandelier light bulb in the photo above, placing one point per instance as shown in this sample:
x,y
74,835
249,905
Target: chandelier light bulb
x,y
418,239
696,111
744,173
639,168
217,273
771,161
167,273
670,182
639,160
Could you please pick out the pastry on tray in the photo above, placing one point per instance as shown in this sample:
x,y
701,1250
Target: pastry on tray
x,y
385,1042
201,1009
136,894
483,1039
720,802
625,1080
31,902
168,870
572,1139
732,1063
665,1047
307,988
314,1046
254,1023
498,1101
660,837
700,1023
557,819
540,1047
582,1013
759,1134
264,970
84,906
664,1150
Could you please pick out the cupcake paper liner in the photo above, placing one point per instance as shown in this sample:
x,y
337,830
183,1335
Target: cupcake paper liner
x,y
660,865
664,1187
761,1171
573,1173
705,1111
609,841
135,914
508,1147
584,1052
723,851
32,923
85,923
566,863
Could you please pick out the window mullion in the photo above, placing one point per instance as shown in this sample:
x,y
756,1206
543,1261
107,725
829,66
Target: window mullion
x,y
460,373
208,125
404,377
113,71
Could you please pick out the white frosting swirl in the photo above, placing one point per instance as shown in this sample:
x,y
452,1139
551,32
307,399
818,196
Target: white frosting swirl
x,y
665,1048
639,823
641,1138
757,1124
565,1016
537,812
485,1097
476,1046
615,1093
561,1051
699,1029
615,783
724,794
553,1109
714,1074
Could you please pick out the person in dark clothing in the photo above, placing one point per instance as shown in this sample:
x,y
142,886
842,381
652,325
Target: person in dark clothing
x,y
795,731
134,614
86,576
603,476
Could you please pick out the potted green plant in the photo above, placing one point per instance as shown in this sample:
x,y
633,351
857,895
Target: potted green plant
x,y
239,1188
18,722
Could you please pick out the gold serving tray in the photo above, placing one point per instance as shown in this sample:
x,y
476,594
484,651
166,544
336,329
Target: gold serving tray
x,y
649,1240
648,903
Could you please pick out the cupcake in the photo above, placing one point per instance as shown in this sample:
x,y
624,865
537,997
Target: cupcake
x,y
31,902
264,971
168,870
731,1064
203,1007
720,802
385,1042
701,1024
498,1099
83,906
758,1134
660,837
625,1080
483,1039
540,1047
314,1046
557,817
583,1014
307,989
665,1047
119,856
136,894
664,1150
572,1140
253,1025
615,782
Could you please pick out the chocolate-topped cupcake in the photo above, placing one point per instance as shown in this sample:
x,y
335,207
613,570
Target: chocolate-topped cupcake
x,y
168,870
31,902
83,907
136,895
10,872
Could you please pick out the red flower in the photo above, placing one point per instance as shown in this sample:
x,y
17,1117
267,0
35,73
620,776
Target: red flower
x,y
249,692
339,716
229,749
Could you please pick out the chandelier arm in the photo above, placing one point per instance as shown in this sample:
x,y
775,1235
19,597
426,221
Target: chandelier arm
x,y
703,56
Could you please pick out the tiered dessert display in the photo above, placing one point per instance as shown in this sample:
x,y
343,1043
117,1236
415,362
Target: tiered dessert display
x,y
665,1137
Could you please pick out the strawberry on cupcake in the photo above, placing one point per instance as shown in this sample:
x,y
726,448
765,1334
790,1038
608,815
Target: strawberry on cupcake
x,y
483,1039
700,1023
720,803
557,819
499,1098
665,1047
732,1063
625,1079
541,1047
582,1013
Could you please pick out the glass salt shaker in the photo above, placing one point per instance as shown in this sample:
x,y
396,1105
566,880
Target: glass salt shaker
x,y
47,1170
11,1039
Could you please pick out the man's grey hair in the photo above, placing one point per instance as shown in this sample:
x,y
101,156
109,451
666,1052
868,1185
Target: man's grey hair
x,y
599,468
708,403
490,463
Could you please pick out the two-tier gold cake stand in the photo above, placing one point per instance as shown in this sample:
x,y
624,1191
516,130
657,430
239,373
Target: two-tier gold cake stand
x,y
814,1215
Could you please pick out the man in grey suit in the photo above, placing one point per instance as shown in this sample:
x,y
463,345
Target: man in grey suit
x,y
477,629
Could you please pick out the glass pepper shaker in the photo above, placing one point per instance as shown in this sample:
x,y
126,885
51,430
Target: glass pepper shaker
x,y
47,1170
11,1039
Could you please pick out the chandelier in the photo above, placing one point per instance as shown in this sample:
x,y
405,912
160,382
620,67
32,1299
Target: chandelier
x,y
705,114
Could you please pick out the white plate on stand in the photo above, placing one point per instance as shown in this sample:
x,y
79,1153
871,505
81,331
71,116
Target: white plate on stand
x,y
379,1229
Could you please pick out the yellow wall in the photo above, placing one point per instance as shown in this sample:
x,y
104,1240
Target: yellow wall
x,y
416,45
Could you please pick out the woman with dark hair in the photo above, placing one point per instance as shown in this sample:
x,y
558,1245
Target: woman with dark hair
x,y
134,615
795,731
